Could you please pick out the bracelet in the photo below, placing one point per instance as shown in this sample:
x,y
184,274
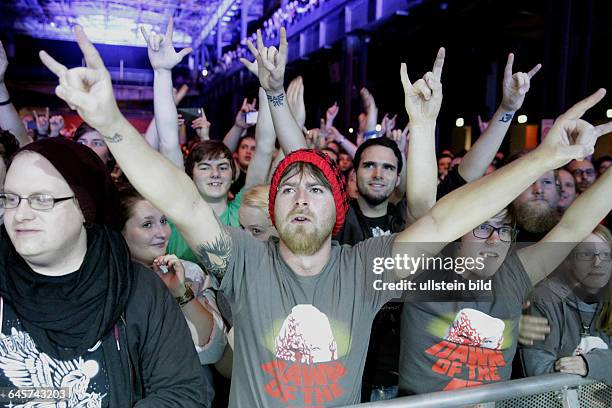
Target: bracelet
x,y
186,297
8,101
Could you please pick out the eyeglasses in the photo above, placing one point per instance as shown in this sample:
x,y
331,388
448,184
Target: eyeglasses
x,y
580,173
484,231
589,256
42,202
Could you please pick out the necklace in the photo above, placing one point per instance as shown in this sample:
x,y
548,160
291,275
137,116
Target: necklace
x,y
586,328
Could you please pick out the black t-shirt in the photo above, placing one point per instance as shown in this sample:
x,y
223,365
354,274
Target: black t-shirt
x,y
22,364
239,183
381,365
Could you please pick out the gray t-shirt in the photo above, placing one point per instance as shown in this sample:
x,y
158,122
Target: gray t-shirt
x,y
456,344
301,341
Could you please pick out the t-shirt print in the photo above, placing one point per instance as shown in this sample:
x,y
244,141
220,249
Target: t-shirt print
x,y
589,343
23,365
305,371
26,367
471,351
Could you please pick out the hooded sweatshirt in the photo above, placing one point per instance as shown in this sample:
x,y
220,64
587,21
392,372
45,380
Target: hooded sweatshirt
x,y
566,314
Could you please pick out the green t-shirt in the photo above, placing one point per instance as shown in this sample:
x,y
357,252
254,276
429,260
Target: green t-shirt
x,y
177,244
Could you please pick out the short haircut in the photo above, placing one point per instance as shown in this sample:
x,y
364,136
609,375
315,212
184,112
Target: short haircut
x,y
304,168
379,141
247,136
81,130
208,150
257,197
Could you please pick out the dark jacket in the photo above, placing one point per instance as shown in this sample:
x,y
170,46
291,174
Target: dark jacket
x,y
162,368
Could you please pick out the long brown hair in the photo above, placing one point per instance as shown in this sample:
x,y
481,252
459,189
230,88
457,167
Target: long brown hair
x,y
604,323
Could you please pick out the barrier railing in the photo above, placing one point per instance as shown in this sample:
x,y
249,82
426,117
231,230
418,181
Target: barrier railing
x,y
545,391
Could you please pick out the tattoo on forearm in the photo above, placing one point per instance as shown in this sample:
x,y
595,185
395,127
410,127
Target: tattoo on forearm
x,y
506,117
276,100
116,138
215,255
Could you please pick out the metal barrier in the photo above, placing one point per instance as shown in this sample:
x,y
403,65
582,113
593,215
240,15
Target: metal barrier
x,y
545,391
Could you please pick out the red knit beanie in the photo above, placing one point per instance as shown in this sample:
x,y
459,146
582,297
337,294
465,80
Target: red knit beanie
x,y
329,170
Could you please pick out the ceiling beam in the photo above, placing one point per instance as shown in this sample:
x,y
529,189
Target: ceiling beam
x,y
224,5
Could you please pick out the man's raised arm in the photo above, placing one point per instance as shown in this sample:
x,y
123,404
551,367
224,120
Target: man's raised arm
x,y
9,118
89,90
422,100
163,58
271,72
458,212
515,87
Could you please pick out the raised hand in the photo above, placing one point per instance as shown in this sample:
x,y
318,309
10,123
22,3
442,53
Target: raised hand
x,y
423,99
3,62
251,66
515,86
295,99
240,120
388,124
88,89
400,137
180,94
202,127
331,114
42,122
175,277
367,100
270,62
571,137
56,124
160,49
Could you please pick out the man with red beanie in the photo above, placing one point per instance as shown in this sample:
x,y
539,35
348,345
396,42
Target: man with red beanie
x,y
302,305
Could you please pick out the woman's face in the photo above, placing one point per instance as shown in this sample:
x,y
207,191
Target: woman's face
x,y
146,232
256,222
587,266
95,142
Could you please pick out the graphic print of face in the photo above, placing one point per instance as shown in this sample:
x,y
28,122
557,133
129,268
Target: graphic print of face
x,y
306,337
377,174
146,232
304,212
474,328
41,236
213,178
587,267
95,142
536,207
492,249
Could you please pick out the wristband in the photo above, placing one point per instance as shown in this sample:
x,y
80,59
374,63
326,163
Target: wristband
x,y
186,297
5,102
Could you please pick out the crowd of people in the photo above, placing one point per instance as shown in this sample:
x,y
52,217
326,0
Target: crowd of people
x,y
151,270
